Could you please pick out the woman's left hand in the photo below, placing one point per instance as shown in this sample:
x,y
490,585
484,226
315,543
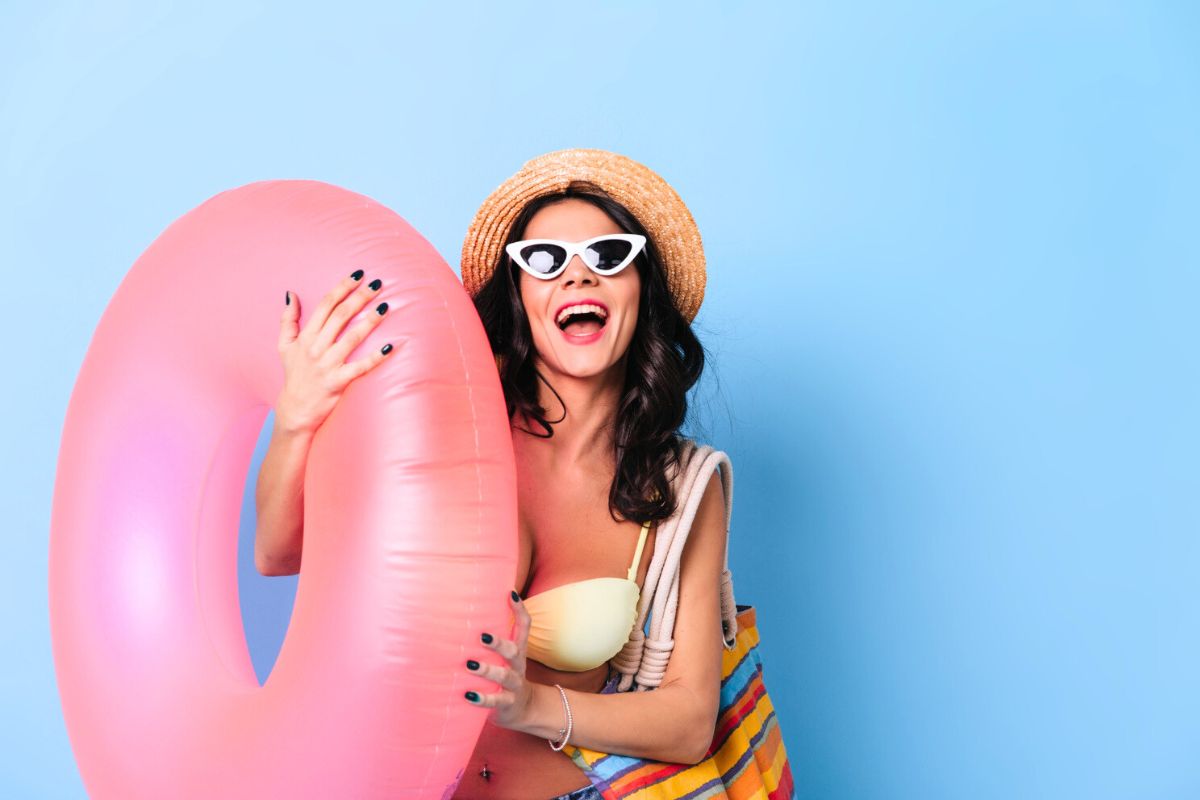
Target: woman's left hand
x,y
513,703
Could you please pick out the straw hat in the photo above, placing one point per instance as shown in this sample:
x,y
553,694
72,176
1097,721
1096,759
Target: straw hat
x,y
641,190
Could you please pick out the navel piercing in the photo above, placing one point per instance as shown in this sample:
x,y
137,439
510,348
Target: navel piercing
x,y
487,775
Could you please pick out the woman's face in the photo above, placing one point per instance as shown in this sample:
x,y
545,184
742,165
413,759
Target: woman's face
x,y
575,351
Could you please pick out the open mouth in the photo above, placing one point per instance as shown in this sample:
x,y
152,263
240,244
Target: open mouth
x,y
582,320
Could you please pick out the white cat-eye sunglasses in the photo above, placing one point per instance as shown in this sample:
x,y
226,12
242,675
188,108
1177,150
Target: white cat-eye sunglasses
x,y
604,255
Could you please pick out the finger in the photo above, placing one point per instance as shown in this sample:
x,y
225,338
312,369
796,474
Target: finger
x,y
492,699
502,676
328,303
521,634
353,337
361,366
499,699
344,311
507,648
289,323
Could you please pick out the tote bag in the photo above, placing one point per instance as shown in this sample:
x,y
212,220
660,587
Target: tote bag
x,y
746,759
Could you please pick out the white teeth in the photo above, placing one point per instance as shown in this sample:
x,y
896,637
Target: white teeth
x,y
581,308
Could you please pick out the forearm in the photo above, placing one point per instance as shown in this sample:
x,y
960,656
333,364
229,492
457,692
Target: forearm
x,y
662,724
279,496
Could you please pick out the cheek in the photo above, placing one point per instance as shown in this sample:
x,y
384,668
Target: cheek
x,y
633,323
533,303
633,301
528,300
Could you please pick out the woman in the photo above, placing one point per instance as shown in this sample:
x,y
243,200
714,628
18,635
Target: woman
x,y
586,269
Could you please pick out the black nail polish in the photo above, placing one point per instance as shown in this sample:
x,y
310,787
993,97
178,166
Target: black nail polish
x,y
382,307
387,348
486,637
287,298
472,664
516,597
474,698
357,274
375,284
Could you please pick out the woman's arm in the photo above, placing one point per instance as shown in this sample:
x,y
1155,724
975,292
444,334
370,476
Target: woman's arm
x,y
675,722
315,376
279,496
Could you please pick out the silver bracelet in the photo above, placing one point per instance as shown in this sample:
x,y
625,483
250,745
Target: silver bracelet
x,y
564,732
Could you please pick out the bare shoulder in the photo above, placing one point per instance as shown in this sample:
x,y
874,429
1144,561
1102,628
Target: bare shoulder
x,y
708,532
704,553
712,511
713,501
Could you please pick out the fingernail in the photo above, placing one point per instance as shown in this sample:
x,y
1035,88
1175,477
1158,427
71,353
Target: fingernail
x,y
516,597
287,298
382,307
357,274
474,698
387,348
472,664
375,284
486,637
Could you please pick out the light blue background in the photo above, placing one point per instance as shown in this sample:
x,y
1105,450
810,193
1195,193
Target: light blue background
x,y
953,273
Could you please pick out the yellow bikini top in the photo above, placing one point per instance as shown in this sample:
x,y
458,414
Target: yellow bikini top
x,y
578,626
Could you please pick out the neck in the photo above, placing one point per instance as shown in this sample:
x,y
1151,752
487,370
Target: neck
x,y
587,432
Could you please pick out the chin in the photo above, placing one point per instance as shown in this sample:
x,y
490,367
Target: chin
x,y
580,361
579,365
584,368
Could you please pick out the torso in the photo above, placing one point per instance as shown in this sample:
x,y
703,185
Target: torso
x,y
566,535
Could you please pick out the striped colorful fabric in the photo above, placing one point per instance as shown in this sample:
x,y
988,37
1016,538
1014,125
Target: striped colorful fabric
x,y
746,761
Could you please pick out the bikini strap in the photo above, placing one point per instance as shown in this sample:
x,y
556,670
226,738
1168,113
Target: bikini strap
x,y
637,556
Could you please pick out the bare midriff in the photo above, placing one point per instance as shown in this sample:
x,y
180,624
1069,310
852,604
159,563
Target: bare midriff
x,y
521,766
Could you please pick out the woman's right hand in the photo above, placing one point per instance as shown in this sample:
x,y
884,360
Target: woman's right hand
x,y
315,372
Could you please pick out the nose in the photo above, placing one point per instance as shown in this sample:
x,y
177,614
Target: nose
x,y
578,272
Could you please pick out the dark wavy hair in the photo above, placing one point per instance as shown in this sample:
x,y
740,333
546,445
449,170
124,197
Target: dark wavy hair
x,y
664,361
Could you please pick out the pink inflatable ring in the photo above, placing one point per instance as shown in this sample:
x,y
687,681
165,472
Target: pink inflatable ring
x,y
410,518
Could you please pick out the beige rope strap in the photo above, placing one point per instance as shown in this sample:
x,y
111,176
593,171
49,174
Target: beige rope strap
x,y
645,659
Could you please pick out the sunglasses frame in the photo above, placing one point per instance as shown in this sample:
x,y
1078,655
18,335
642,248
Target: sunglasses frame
x,y
576,249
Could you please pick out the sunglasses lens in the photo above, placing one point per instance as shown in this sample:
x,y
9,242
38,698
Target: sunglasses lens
x,y
544,258
607,254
